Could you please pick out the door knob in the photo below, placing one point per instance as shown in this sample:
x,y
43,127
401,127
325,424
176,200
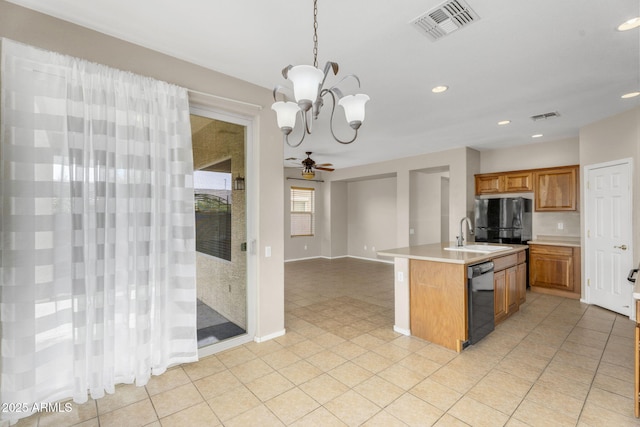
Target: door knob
x,y
623,247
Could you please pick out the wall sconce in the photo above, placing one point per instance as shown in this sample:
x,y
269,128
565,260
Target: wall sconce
x,y
239,183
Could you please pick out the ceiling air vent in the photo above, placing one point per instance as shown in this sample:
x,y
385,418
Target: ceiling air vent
x,y
445,19
545,116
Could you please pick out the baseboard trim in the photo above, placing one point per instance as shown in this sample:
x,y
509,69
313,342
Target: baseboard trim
x,y
270,336
339,257
402,331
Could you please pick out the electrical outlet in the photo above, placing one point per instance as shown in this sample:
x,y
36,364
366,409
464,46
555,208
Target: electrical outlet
x,y
412,231
400,276
365,247
373,248
560,226
267,251
305,247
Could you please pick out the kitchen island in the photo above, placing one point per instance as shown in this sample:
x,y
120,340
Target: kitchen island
x,y
431,288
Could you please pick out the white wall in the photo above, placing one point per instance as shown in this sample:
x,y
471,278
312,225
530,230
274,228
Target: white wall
x,y
426,207
46,32
371,216
561,152
461,163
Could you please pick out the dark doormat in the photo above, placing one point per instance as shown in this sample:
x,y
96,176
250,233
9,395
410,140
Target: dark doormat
x,y
219,332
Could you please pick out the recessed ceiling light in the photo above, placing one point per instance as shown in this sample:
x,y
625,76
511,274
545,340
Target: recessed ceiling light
x,y
630,24
537,135
439,89
630,95
504,122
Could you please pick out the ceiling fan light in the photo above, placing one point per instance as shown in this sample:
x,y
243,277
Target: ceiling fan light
x,y
354,108
306,81
308,174
286,113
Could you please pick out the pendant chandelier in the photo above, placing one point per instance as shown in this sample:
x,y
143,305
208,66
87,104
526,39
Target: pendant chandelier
x,y
308,90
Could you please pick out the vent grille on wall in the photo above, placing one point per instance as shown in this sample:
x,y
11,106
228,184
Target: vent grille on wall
x,y
545,116
445,19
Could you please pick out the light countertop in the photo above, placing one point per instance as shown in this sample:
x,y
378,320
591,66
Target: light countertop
x,y
437,252
569,241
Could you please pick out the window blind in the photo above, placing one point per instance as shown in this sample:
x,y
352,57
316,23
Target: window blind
x,y
302,211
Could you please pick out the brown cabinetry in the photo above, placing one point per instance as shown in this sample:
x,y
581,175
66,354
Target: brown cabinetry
x,y
489,184
522,283
515,182
505,182
555,270
509,285
500,295
556,189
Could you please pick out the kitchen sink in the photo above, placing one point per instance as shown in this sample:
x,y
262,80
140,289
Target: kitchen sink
x,y
485,249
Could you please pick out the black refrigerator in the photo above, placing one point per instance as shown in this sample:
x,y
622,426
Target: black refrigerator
x,y
503,220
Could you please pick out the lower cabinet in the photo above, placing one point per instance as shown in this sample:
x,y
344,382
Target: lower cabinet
x,y
522,282
509,285
555,270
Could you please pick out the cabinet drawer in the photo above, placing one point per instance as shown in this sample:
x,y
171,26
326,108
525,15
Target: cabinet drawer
x,y
562,251
504,262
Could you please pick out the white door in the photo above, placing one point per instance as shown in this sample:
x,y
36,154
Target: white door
x,y
609,235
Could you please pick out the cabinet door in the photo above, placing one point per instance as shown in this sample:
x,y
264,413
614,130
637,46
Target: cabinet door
x,y
512,290
556,189
518,182
489,184
551,267
500,296
522,282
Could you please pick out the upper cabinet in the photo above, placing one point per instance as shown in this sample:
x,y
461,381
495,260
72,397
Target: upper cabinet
x,y
556,189
504,182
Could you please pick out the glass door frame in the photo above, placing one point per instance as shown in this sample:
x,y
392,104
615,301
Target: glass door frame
x,y
205,108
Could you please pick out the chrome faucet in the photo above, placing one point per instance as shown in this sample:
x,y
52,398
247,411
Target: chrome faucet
x,y
460,238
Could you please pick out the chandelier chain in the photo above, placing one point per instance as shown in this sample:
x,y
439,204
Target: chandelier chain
x,y
315,33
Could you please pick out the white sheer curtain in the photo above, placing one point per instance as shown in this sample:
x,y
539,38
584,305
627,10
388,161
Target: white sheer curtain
x,y
97,243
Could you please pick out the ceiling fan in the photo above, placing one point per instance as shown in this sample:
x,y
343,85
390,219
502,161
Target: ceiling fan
x,y
309,166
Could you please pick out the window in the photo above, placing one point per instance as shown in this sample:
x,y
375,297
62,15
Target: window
x,y
213,213
302,211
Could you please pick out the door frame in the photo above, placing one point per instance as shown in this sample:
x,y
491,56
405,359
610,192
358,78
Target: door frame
x,y
588,250
243,114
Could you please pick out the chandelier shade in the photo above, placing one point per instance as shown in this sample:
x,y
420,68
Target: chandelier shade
x,y
306,81
286,113
354,108
309,90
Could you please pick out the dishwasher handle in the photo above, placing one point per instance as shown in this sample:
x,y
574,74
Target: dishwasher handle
x,y
480,269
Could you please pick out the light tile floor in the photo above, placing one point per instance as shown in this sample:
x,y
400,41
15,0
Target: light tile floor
x,y
556,362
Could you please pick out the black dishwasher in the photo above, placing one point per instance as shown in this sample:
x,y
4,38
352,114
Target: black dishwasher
x,y
480,301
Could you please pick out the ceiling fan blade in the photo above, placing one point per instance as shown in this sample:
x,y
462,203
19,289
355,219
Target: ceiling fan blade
x,y
292,158
324,164
324,169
